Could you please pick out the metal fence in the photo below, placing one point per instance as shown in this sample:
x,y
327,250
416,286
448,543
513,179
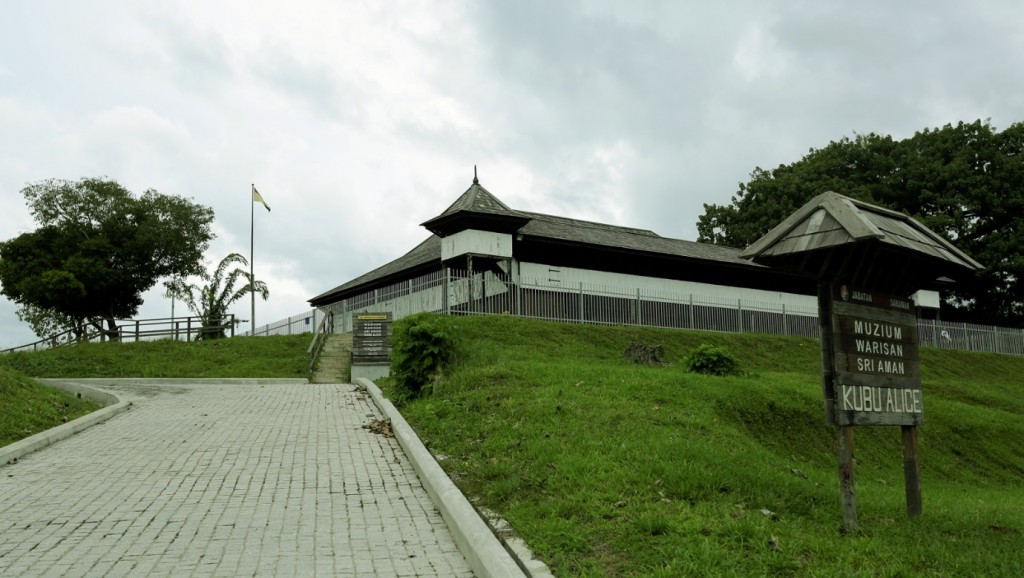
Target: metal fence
x,y
136,330
457,293
306,322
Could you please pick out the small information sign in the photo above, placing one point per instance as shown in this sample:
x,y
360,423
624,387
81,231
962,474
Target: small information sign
x,y
371,338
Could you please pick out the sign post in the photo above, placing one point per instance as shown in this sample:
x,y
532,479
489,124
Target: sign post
x,y
872,351
866,260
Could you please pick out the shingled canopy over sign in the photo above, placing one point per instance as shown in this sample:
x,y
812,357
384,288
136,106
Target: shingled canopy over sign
x,y
868,243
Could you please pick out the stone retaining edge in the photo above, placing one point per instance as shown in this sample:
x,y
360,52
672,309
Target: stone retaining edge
x,y
483,550
112,407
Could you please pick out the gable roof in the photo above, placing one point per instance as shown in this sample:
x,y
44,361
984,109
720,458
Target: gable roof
x,y
426,253
575,231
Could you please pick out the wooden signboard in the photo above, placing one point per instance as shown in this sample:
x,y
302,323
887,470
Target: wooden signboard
x,y
371,338
872,377
876,361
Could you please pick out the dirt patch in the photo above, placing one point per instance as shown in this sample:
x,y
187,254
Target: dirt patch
x,y
380,427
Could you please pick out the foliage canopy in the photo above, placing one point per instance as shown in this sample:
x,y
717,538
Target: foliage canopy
x,y
210,301
965,182
97,249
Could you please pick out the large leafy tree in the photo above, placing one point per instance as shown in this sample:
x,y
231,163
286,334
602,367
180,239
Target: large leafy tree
x,y
965,182
211,299
97,249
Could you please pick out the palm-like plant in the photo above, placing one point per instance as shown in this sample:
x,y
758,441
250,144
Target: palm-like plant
x,y
210,301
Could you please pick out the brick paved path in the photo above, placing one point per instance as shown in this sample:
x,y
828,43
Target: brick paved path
x,y
224,480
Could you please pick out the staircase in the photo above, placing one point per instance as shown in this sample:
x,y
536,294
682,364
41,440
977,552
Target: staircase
x,y
335,362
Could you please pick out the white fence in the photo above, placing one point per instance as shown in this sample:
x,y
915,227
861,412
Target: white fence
x,y
302,323
456,293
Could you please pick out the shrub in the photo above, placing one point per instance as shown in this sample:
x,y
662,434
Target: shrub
x,y
712,360
421,346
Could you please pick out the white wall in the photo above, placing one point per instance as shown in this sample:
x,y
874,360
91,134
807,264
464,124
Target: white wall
x,y
570,279
476,243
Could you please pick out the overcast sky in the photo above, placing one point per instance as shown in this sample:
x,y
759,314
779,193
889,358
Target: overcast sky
x,y
357,121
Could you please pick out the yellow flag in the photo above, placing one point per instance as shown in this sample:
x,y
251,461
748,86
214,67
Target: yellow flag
x,y
258,198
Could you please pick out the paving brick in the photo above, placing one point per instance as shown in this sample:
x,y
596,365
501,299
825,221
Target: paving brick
x,y
224,480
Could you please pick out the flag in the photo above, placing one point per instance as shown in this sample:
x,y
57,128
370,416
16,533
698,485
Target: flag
x,y
258,198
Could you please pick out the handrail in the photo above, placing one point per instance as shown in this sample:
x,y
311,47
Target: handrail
x,y
319,339
133,329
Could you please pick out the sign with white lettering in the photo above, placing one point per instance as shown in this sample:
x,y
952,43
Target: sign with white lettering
x,y
371,338
877,367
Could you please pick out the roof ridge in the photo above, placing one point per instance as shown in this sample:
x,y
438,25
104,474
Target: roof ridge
x,y
593,224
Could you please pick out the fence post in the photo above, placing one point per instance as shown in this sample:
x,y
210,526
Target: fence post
x,y
289,325
447,289
232,318
739,313
136,331
581,302
188,330
785,321
636,318
691,311
519,297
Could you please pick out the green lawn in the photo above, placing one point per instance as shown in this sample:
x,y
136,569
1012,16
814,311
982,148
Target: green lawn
x,y
607,468
27,408
272,356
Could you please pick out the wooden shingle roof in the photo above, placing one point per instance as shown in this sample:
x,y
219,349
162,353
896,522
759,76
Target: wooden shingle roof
x,y
580,232
476,208
831,221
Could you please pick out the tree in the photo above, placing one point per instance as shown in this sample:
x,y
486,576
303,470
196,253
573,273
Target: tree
x,y
211,300
965,182
97,249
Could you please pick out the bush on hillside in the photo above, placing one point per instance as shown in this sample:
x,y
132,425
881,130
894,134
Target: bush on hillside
x,y
421,346
712,360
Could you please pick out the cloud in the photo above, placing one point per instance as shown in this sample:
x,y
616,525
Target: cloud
x,y
360,120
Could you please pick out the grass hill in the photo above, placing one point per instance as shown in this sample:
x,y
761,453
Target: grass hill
x,y
607,468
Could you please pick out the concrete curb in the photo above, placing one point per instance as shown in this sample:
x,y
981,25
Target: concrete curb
x,y
113,406
482,549
100,381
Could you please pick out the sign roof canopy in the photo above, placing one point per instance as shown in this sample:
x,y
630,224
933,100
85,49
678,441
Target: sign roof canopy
x,y
834,237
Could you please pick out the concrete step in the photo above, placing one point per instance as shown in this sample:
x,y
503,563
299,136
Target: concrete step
x,y
335,360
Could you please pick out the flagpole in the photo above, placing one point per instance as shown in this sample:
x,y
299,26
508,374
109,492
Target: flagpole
x,y
252,257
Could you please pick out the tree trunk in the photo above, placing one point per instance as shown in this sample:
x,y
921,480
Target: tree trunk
x,y
112,332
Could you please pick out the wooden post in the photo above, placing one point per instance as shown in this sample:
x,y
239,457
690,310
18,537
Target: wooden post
x,y
828,365
911,471
846,479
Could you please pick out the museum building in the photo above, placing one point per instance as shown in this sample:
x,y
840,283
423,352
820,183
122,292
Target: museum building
x,y
483,257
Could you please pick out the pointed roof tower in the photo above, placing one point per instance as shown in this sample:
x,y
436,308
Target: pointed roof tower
x,y
478,209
